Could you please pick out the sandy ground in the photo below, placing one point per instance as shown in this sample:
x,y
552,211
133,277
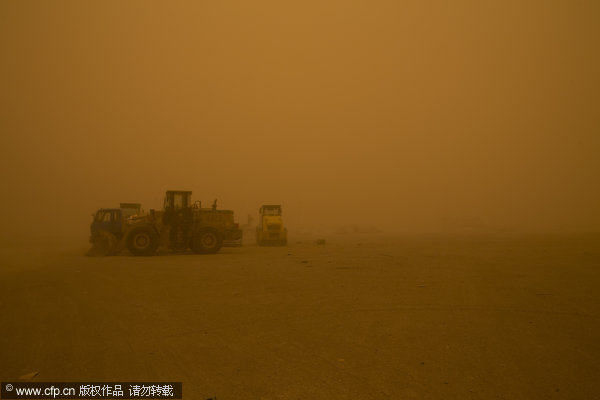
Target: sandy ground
x,y
362,317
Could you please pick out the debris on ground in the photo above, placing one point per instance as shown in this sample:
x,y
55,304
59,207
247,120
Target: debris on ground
x,y
28,376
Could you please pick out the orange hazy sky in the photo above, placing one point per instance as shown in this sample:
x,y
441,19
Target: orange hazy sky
x,y
402,115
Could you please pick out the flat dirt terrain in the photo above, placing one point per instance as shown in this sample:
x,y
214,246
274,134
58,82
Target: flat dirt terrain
x,y
361,317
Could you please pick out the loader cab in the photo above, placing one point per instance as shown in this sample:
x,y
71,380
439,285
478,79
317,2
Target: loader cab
x,y
177,200
270,210
178,207
107,219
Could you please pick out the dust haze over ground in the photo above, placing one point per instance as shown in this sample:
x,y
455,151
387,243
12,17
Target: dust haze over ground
x,y
362,317
395,115
447,154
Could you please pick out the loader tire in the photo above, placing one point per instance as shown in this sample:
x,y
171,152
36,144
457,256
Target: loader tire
x,y
207,241
142,241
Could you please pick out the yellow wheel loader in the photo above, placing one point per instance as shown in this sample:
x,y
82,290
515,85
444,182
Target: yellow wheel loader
x,y
179,227
270,229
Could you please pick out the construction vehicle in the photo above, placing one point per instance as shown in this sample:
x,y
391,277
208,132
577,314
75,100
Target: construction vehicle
x,y
180,226
131,209
270,229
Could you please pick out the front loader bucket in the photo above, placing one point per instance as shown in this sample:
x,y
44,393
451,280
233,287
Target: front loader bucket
x,y
104,244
